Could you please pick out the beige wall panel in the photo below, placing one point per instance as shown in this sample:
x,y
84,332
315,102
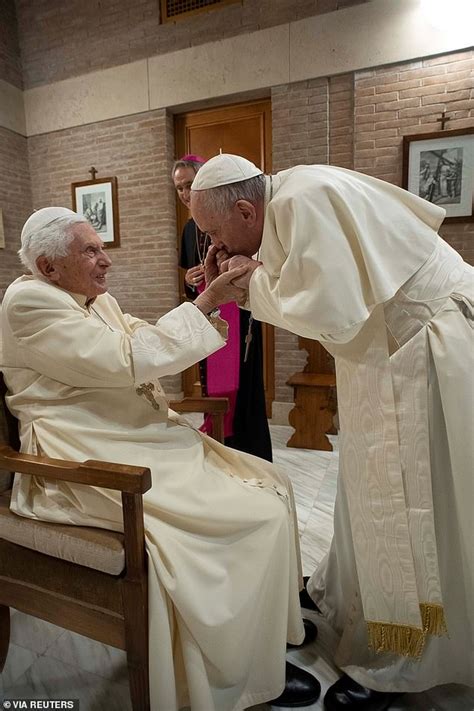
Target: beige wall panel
x,y
376,33
93,97
237,64
12,112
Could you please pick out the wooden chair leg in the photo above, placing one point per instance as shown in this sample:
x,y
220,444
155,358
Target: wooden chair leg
x,y
4,634
136,636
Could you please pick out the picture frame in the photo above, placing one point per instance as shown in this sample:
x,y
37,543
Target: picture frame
x,y
439,167
97,201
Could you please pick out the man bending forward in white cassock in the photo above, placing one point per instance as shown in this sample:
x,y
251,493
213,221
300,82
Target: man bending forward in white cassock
x,y
357,264
220,525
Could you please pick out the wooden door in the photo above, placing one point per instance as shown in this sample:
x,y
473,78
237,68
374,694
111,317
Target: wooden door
x,y
244,129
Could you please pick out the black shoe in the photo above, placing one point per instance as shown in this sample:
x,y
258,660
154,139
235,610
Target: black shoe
x,y
305,600
310,634
301,688
347,695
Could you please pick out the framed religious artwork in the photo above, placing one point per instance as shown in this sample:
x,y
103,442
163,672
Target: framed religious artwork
x,y
97,201
439,167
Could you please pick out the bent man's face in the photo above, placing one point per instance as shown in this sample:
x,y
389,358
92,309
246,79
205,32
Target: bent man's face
x,y
84,270
235,231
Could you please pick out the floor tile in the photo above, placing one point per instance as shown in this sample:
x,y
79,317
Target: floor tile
x,y
19,659
50,678
33,633
90,656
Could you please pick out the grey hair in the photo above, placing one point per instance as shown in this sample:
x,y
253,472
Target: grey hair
x,y
221,199
51,241
194,164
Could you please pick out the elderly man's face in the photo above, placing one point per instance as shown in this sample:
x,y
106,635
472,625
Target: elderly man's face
x,y
84,270
238,231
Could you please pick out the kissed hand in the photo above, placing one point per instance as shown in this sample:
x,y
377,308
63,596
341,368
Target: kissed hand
x,y
212,265
222,290
240,261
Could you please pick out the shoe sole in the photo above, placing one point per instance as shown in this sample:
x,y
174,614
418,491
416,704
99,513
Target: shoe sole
x,y
295,705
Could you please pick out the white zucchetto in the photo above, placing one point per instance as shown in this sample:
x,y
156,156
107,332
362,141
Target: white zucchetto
x,y
224,169
44,217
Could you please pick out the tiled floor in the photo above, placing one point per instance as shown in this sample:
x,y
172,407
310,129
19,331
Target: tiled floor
x,y
47,662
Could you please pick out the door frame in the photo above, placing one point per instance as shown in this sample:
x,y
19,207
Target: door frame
x,y
183,125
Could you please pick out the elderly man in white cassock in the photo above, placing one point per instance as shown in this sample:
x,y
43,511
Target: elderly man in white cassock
x,y
221,535
357,264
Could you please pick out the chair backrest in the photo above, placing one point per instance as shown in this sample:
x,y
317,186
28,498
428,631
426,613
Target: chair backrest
x,y
8,433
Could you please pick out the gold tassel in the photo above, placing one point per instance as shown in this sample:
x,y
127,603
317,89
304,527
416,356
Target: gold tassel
x,y
433,619
406,640
400,639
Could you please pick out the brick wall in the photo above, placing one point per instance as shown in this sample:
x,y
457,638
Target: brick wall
x,y
15,200
137,150
300,136
63,39
341,121
358,121
10,60
405,99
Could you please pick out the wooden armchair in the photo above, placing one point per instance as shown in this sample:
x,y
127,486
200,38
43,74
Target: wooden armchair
x,y
87,580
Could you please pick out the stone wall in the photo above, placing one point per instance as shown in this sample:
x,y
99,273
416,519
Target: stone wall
x,y
63,39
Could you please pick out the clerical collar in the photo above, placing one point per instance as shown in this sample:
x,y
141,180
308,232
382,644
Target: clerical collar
x,y
272,183
84,301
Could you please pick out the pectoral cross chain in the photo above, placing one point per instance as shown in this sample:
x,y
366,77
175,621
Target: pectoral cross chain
x,y
248,339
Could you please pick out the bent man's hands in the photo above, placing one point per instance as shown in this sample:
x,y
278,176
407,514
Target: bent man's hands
x,y
212,264
227,279
222,290
239,261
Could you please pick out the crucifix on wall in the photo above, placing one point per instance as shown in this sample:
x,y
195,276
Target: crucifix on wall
x,y
444,119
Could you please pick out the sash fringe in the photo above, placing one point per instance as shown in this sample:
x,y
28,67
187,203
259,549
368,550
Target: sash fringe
x,y
433,619
405,640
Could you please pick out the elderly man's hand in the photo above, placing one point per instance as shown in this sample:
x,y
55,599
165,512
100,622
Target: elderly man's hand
x,y
212,265
222,290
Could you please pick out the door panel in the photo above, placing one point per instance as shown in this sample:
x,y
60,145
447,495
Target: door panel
x,y
244,129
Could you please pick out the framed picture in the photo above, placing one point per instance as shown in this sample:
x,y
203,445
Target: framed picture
x,y
97,200
439,167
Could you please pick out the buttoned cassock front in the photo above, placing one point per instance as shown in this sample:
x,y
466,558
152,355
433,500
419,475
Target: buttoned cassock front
x,y
220,525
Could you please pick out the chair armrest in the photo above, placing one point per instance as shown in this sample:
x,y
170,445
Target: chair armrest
x,y
121,477
207,405
216,407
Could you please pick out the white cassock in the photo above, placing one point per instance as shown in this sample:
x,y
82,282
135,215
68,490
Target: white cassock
x,y
223,556
357,264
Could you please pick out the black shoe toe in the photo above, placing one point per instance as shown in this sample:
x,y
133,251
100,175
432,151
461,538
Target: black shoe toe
x,y
347,695
305,600
301,688
310,634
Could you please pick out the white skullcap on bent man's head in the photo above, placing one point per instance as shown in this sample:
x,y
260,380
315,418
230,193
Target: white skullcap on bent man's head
x,y
224,169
